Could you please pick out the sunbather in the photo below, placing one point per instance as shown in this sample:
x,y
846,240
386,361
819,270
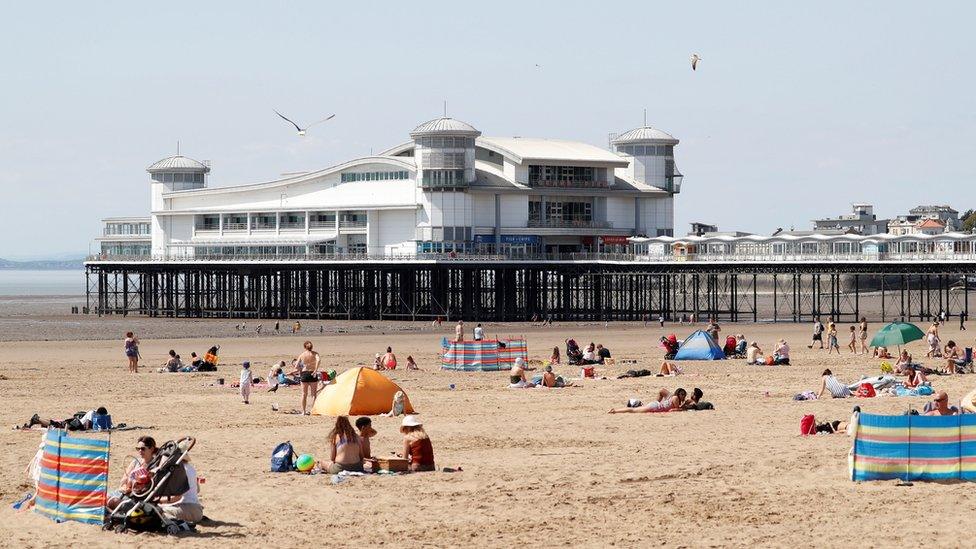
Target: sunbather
x,y
831,384
695,402
554,358
411,364
954,357
417,448
345,448
753,353
366,432
940,406
136,474
517,375
78,422
665,402
669,369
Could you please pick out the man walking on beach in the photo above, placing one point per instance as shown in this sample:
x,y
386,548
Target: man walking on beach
x,y
962,320
459,331
818,329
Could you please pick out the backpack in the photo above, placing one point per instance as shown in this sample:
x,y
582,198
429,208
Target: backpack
x,y
808,425
283,458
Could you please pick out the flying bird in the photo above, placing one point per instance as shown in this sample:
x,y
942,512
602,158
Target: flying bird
x,y
301,131
694,61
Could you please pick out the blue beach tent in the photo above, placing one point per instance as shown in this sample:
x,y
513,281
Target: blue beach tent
x,y
699,346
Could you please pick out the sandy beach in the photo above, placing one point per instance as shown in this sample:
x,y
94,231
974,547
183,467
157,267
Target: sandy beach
x,y
541,467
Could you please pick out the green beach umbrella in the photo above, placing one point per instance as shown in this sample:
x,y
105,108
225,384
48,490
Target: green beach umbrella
x,y
896,334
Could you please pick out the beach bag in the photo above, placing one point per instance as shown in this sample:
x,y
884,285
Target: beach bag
x,y
770,361
808,425
283,458
866,390
924,390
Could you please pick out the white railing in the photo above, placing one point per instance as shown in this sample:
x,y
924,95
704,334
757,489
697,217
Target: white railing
x,y
235,226
350,224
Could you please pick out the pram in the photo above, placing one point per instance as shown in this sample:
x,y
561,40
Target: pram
x,y
210,360
141,511
670,345
734,348
574,356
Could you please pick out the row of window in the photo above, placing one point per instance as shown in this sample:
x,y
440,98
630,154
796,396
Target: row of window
x,y
178,177
125,249
126,228
565,210
564,173
447,142
647,150
443,178
374,176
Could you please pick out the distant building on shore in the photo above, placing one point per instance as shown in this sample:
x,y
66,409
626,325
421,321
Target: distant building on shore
x,y
932,217
861,221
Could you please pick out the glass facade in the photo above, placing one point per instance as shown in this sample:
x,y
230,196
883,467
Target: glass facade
x,y
178,177
647,150
113,228
443,178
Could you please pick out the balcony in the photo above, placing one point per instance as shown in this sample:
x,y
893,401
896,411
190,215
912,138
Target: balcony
x,y
439,185
352,223
292,225
571,223
327,224
569,183
228,226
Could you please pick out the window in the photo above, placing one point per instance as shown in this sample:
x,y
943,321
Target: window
x,y
373,176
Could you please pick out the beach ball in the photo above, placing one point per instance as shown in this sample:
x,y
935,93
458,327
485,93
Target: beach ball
x,y
332,375
305,463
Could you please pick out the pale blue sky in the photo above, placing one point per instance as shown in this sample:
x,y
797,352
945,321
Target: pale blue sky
x,y
796,110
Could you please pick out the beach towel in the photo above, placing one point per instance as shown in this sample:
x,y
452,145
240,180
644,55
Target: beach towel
x,y
73,480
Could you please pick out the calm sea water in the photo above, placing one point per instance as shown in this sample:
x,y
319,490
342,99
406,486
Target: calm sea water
x,y
42,282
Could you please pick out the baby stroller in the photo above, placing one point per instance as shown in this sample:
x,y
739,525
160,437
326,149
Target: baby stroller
x,y
734,348
210,360
574,356
670,345
140,511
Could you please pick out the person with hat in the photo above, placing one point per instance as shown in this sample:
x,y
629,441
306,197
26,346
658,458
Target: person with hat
x,y
517,375
417,448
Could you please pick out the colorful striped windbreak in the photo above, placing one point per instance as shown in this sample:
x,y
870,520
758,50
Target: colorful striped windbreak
x,y
74,478
915,448
482,355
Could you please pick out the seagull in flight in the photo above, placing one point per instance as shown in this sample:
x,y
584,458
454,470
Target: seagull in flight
x,y
301,131
694,61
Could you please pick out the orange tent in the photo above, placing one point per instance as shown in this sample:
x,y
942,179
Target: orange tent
x,y
359,392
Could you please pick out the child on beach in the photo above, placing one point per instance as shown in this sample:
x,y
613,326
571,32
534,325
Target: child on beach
x,y
247,377
852,344
832,337
411,364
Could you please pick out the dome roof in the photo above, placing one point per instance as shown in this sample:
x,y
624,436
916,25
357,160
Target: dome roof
x,y
644,134
445,125
178,163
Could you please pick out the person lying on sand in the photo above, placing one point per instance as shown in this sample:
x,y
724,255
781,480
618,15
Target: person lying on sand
x,y
831,427
669,369
695,402
77,422
665,402
831,384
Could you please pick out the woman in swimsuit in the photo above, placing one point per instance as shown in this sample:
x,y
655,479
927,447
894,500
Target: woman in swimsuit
x,y
309,362
346,449
132,352
665,402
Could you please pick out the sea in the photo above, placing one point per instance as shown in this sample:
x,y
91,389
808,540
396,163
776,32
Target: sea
x,y
41,283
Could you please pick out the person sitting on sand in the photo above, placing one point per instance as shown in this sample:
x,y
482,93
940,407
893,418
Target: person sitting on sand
x,y
665,402
782,353
389,360
517,375
172,364
753,353
185,506
136,474
308,363
831,384
589,355
882,352
954,357
940,406
669,369
411,365
378,362
549,379
77,422
345,448
740,344
602,353
905,363
366,432
417,448
914,379
195,361
554,358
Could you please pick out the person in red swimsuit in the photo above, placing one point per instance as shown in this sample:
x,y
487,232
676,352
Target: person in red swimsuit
x,y
416,445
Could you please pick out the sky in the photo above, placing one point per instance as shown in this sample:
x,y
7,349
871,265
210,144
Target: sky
x,y
796,110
